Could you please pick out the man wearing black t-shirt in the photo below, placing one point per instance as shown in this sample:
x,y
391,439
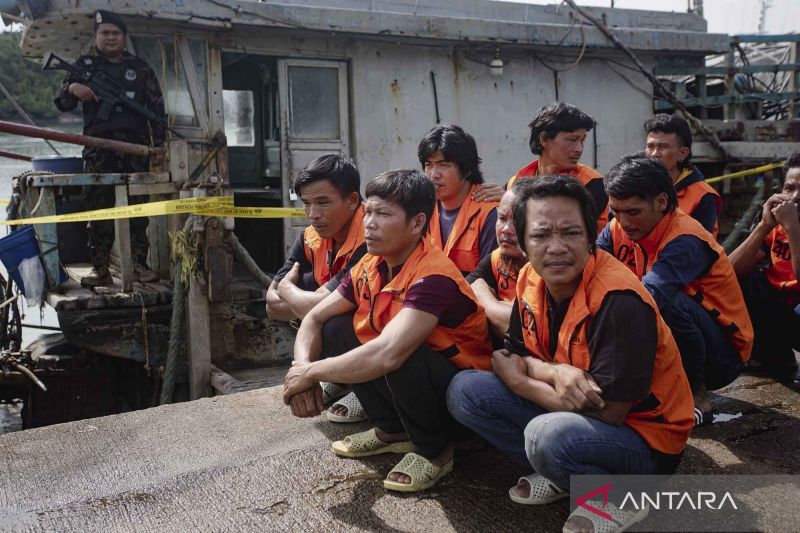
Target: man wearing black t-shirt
x,y
591,380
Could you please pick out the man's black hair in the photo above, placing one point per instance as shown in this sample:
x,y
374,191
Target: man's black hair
x,y
642,177
663,123
555,118
793,161
339,170
456,146
549,186
410,189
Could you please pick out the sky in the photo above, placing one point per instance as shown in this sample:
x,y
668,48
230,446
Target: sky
x,y
723,16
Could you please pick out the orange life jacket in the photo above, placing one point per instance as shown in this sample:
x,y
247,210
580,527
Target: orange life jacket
x,y
779,272
582,173
718,291
319,251
463,244
466,345
666,417
691,190
505,273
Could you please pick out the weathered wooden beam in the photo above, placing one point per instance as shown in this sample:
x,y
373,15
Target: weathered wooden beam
x,y
122,229
669,70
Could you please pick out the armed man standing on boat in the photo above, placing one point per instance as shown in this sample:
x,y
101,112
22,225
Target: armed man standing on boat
x,y
123,124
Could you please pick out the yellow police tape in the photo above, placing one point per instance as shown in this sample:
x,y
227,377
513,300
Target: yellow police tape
x,y
743,173
220,206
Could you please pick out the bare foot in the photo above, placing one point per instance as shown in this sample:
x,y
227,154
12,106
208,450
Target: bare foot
x,y
522,489
442,459
338,409
579,524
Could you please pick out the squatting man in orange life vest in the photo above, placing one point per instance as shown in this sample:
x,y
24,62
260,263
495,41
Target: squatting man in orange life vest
x,y
401,324
590,381
669,140
772,293
558,134
461,226
686,271
495,279
329,187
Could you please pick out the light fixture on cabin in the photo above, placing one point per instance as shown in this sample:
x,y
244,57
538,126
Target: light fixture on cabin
x,y
496,65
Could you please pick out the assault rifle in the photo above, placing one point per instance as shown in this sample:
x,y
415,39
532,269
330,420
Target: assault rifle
x,y
109,91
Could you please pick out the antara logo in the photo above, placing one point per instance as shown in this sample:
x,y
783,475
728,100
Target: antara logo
x,y
675,500
668,500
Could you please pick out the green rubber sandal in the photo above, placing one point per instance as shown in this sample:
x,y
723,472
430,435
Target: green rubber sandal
x,y
422,472
367,443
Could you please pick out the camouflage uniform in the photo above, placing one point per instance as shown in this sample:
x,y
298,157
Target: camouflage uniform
x,y
140,83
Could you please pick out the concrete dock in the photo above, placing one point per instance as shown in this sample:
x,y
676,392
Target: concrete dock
x,y
243,463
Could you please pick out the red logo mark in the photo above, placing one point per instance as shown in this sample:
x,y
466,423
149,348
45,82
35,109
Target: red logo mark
x,y
581,501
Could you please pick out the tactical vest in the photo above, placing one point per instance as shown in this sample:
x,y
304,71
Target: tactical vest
x,y
718,291
466,345
324,262
463,244
130,74
665,418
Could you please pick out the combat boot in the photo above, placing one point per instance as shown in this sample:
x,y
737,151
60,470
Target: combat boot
x,y
99,276
142,273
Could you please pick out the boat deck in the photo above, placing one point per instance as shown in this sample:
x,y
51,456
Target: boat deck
x,y
72,297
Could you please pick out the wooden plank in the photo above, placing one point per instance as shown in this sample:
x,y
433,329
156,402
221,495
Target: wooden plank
x,y
664,70
48,237
123,240
233,381
199,327
153,189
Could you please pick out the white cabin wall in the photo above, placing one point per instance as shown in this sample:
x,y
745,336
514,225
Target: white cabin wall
x,y
393,106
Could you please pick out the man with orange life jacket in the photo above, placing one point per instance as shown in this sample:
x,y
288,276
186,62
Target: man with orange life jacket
x,y
401,324
686,271
591,380
495,279
772,293
461,226
558,134
669,140
329,187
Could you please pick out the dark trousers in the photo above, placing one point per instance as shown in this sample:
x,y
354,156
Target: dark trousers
x,y
101,232
409,400
777,327
709,357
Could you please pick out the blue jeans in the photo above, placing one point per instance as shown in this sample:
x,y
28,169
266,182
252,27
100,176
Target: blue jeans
x,y
708,355
557,445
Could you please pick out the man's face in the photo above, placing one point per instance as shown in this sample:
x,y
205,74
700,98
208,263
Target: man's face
x,y
446,176
791,186
329,213
667,148
565,149
109,39
504,228
638,216
556,242
387,231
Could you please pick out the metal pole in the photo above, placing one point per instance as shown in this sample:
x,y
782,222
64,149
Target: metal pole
x,y
12,155
74,138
